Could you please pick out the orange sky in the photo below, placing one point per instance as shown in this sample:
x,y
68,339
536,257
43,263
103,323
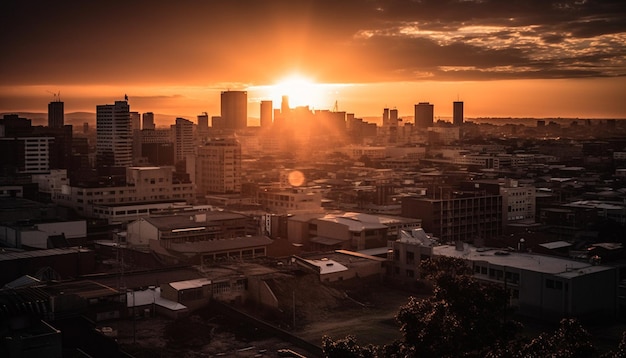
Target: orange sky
x,y
544,58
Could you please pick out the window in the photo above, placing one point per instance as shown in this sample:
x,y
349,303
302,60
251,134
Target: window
x,y
410,273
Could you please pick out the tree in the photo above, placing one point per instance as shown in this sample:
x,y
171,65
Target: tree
x,y
462,316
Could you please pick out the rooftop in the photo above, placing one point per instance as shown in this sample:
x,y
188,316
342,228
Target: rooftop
x,y
524,261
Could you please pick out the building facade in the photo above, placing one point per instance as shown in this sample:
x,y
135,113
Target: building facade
x,y
424,115
218,167
114,140
234,109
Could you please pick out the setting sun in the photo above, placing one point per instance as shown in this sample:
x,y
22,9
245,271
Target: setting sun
x,y
302,91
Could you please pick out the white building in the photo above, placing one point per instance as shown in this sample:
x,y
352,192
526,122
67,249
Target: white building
x,y
114,144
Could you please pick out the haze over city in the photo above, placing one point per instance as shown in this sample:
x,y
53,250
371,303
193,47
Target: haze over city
x,y
503,59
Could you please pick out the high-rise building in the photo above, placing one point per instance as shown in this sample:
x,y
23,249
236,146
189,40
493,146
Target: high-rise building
x,y
135,125
234,107
218,167
386,117
148,121
114,141
457,113
183,138
203,127
56,116
284,107
266,113
424,115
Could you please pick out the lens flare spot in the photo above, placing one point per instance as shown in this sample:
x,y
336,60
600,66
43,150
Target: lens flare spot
x,y
296,178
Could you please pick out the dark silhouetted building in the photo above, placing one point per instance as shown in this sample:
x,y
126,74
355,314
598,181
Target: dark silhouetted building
x,y
457,113
424,115
234,107
266,113
55,114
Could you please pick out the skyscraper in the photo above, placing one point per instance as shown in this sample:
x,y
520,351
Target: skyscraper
x,y
148,120
424,115
266,113
203,126
56,114
457,113
114,141
183,139
234,108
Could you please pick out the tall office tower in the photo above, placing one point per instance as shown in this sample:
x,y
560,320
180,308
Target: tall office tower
x,y
148,121
266,114
457,113
114,140
393,117
183,138
218,167
386,117
234,106
284,106
135,120
203,127
424,115
55,114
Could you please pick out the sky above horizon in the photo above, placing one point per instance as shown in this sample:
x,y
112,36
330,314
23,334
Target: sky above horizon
x,y
537,58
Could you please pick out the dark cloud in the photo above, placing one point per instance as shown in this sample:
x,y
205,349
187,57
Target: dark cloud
x,y
204,42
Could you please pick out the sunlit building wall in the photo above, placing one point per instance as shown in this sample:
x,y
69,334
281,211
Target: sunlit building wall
x,y
218,167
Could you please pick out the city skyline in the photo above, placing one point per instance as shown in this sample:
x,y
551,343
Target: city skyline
x,y
513,59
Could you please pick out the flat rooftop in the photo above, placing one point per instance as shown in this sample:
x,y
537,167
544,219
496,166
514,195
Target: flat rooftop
x,y
524,261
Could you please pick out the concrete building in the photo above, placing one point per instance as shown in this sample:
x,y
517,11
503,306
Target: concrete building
x,y
234,109
189,226
114,143
218,167
290,200
457,113
424,115
464,217
56,114
342,265
147,120
26,155
183,139
541,286
144,186
350,230
267,111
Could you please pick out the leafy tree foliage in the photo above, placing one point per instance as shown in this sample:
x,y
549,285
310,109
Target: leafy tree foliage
x,y
462,317
465,318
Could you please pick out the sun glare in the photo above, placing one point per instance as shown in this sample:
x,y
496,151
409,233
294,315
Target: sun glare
x,y
301,90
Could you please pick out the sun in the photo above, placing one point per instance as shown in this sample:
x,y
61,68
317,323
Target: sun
x,y
301,91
